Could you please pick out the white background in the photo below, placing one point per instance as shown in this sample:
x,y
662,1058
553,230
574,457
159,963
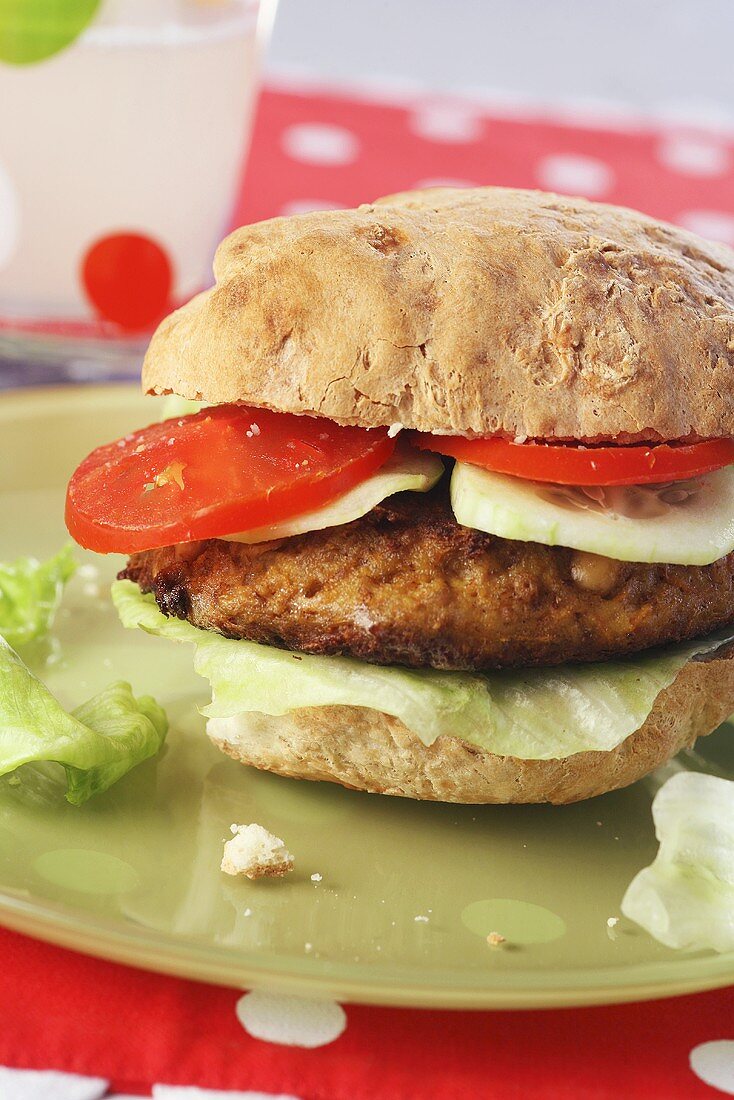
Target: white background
x,y
653,54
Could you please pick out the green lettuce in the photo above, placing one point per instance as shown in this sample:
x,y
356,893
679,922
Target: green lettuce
x,y
30,593
175,406
96,744
685,898
536,714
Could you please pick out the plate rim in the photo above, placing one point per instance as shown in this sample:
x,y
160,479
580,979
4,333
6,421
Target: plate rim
x,y
148,949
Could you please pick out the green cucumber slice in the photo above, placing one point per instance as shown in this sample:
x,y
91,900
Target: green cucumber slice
x,y
642,523
404,470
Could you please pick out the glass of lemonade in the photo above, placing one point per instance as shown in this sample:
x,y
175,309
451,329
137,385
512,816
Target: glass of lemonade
x,y
123,130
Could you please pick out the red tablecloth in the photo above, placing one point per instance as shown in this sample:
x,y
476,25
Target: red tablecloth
x,y
66,1012
322,151
63,1010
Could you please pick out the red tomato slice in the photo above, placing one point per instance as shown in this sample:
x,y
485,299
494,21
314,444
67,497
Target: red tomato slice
x,y
573,464
222,470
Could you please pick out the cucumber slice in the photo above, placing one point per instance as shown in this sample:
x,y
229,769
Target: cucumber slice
x,y
404,470
682,523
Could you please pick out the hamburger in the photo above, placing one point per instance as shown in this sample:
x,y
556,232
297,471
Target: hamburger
x,y
455,518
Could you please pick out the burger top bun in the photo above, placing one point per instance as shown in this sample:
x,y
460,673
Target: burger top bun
x,y
469,312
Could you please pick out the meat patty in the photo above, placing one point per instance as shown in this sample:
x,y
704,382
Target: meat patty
x,y
407,585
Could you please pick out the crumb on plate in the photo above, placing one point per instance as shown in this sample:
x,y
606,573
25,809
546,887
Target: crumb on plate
x,y
256,853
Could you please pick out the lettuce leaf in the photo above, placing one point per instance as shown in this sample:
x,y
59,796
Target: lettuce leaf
x,y
96,744
539,714
174,406
30,593
685,898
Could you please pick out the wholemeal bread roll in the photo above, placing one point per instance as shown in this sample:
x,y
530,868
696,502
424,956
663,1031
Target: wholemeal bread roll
x,y
462,312
371,751
466,312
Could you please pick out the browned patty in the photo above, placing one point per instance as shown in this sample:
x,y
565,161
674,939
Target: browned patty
x,y
407,585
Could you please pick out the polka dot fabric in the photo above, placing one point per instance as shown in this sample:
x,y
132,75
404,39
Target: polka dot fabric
x,y
291,1021
140,1032
320,151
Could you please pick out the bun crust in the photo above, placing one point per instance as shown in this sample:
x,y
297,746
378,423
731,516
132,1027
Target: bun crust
x,y
468,312
367,750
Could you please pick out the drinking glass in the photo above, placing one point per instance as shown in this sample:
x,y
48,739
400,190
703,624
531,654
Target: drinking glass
x,y
123,130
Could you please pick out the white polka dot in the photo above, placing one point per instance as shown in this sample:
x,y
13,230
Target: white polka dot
x,y
317,143
446,122
307,206
191,1092
292,1021
9,217
573,173
33,1084
714,224
713,1063
445,181
694,156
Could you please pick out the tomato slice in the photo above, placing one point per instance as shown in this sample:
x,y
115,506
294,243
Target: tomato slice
x,y
216,472
574,464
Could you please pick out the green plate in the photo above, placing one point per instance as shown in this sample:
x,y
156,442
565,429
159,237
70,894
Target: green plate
x,y
408,891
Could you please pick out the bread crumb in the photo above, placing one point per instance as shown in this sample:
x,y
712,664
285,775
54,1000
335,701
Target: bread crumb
x,y
317,877
494,939
256,853
421,920
612,921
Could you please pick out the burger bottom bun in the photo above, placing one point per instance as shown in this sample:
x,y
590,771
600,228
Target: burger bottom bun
x,y
367,750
